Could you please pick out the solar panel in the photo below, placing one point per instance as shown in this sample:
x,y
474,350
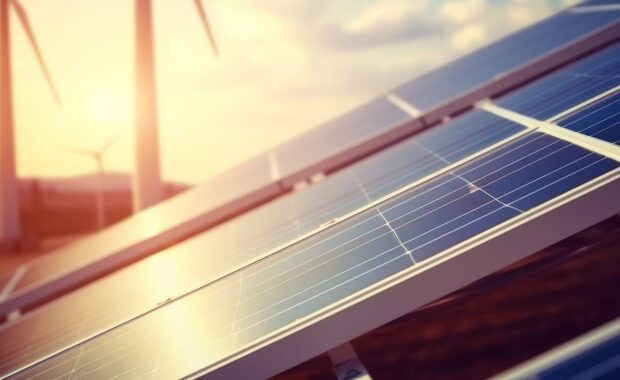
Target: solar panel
x,y
568,87
508,62
600,120
595,355
365,245
129,292
364,271
224,196
454,87
425,100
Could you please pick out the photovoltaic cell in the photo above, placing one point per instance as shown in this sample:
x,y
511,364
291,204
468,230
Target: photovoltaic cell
x,y
600,120
568,87
207,256
431,150
247,305
484,65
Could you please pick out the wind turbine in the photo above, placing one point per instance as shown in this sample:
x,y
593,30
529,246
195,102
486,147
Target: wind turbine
x,y
147,186
9,203
97,155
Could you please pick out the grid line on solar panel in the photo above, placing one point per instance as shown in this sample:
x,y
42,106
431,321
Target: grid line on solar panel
x,y
591,143
479,131
600,119
449,82
584,104
265,320
569,86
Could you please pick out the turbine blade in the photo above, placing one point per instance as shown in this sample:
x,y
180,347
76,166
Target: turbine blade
x,y
205,22
109,143
80,151
23,18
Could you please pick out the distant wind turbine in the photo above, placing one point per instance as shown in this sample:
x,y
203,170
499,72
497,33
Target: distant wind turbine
x,y
9,201
147,187
97,155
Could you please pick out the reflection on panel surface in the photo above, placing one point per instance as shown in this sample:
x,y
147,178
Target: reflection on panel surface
x,y
247,305
600,120
150,223
568,87
345,131
484,65
207,256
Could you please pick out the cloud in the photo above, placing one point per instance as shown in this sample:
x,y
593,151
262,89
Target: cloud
x,y
462,11
384,14
469,37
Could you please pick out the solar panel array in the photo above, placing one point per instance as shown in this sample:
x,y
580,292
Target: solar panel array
x,y
452,88
313,268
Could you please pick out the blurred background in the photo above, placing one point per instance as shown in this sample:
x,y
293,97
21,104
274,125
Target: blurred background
x,y
284,67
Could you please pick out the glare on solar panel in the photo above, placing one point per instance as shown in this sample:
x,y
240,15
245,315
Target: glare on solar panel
x,y
370,268
138,288
498,67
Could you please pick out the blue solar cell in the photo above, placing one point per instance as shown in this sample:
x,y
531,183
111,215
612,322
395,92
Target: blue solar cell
x,y
473,70
599,362
600,120
516,178
432,150
250,304
568,87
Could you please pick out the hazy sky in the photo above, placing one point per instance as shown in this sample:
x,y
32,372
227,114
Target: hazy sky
x,y
285,66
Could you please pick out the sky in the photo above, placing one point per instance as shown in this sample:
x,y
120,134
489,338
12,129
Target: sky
x,y
285,66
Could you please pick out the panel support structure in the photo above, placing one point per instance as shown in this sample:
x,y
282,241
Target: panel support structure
x,y
147,186
347,365
587,142
9,210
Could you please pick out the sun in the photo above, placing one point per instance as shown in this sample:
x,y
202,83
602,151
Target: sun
x,y
108,107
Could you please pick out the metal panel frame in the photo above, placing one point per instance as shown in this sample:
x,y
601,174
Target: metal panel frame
x,y
527,72
425,282
355,152
563,352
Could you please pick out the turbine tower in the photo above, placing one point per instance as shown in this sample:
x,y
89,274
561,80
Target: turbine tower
x,y
9,202
147,186
97,156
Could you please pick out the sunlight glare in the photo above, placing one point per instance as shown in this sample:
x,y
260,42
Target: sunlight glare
x,y
108,107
